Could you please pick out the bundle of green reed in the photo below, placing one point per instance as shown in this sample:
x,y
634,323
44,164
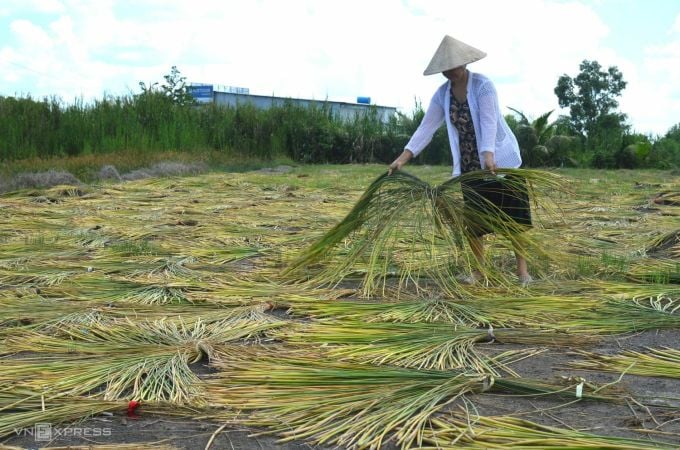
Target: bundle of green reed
x,y
439,346
582,315
148,360
353,405
403,227
463,431
24,409
666,245
146,377
656,362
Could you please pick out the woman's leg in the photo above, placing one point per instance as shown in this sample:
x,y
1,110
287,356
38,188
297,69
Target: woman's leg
x,y
522,269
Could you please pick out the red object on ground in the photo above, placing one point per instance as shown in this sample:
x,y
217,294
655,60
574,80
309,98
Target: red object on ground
x,y
132,407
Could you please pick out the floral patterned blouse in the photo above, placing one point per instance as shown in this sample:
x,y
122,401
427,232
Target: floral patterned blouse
x,y
461,118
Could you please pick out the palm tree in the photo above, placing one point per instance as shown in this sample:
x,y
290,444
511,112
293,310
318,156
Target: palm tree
x,y
541,142
533,137
541,128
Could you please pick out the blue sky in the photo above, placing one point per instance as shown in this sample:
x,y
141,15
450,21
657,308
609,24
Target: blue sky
x,y
636,24
341,50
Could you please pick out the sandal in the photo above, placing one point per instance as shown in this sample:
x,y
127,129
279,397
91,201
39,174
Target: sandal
x,y
525,281
468,279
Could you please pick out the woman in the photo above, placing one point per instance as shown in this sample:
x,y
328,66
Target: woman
x,y
480,139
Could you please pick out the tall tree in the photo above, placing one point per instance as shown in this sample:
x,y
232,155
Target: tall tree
x,y
590,95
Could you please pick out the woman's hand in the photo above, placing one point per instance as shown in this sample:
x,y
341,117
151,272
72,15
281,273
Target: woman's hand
x,y
396,165
400,162
489,162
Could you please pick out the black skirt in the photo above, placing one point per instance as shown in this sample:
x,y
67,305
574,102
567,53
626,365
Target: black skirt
x,y
496,205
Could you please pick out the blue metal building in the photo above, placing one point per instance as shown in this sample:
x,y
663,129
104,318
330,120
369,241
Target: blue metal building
x,y
232,96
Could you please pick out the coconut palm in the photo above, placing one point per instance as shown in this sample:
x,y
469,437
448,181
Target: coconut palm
x,y
539,140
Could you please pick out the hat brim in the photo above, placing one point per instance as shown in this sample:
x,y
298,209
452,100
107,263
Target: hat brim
x,y
452,53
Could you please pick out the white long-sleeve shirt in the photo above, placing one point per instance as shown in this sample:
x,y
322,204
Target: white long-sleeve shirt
x,y
492,132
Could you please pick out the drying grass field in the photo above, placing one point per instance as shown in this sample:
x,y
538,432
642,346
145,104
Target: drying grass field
x,y
172,292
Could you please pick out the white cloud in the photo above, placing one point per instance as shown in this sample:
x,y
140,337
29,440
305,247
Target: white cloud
x,y
31,36
9,7
338,50
44,6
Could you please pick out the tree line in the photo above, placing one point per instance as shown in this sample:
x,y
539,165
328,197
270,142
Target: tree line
x,y
594,134
164,117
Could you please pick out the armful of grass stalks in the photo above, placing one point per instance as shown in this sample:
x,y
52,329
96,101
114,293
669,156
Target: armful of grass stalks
x,y
384,191
402,215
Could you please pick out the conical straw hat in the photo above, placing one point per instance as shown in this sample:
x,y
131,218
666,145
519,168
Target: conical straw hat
x,y
452,53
